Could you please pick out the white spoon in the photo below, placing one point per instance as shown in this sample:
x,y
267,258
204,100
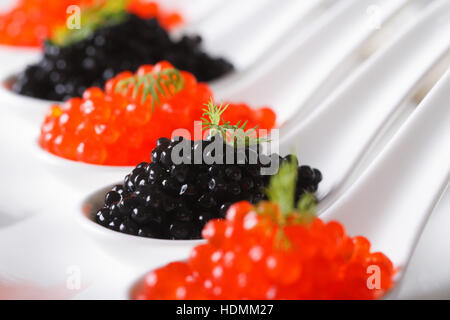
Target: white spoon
x,y
392,201
336,136
291,76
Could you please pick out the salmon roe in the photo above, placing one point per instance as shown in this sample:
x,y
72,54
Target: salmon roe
x,y
30,22
250,255
114,127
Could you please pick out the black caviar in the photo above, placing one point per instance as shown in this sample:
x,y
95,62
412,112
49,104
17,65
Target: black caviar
x,y
174,201
65,72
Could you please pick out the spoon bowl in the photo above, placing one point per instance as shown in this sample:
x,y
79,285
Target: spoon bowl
x,y
82,175
31,109
17,57
140,252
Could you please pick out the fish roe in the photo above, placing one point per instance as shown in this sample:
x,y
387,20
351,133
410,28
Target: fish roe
x,y
30,22
250,255
115,127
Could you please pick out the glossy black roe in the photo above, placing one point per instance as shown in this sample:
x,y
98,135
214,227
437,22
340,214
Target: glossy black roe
x,y
171,200
65,72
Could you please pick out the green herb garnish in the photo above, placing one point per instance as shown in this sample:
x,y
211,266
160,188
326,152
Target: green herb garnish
x,y
212,119
167,82
281,190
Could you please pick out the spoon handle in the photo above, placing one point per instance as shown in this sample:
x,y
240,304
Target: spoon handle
x,y
338,134
265,21
296,70
393,199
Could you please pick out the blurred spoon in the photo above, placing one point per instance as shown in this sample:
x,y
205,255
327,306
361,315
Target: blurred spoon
x,y
392,201
243,30
366,102
291,75
194,11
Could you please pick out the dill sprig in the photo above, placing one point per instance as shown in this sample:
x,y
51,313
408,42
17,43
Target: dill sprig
x,y
212,119
166,82
281,190
101,14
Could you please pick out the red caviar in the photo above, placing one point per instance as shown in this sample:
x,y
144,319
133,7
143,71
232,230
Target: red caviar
x,y
251,255
30,22
111,127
